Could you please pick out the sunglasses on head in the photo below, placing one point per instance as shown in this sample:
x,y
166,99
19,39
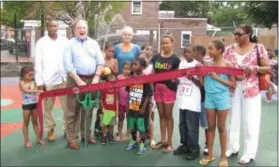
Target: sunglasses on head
x,y
238,34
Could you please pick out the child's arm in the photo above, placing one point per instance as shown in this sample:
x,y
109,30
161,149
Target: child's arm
x,y
145,104
115,69
101,100
117,103
147,94
231,83
23,89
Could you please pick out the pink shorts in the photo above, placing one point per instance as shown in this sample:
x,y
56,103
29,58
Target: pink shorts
x,y
163,94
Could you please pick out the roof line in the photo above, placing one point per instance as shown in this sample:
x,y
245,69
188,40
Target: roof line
x,y
183,18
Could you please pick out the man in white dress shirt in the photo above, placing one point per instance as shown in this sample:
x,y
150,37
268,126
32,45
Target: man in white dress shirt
x,y
50,73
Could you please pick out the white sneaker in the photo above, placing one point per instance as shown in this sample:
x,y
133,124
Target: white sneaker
x,y
230,153
205,150
245,160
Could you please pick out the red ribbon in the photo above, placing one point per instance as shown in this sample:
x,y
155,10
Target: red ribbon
x,y
132,81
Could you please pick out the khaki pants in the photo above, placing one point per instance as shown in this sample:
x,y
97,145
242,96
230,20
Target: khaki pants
x,y
75,115
48,107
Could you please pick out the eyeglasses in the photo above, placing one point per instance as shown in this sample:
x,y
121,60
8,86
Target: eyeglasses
x,y
238,34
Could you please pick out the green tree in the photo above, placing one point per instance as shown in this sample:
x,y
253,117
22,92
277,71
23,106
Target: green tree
x,y
187,8
88,11
12,8
263,13
227,16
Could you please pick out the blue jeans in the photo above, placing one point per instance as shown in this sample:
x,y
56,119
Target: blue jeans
x,y
189,129
203,118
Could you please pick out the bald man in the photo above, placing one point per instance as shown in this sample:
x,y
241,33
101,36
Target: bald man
x,y
83,62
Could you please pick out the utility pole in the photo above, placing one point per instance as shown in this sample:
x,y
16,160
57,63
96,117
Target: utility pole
x,y
15,30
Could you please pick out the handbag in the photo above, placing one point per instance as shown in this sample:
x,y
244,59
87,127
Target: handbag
x,y
264,79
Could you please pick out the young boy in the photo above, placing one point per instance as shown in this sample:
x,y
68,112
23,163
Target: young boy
x,y
109,103
200,54
189,104
138,107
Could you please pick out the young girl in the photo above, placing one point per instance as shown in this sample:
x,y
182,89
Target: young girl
x,y
147,55
123,102
110,61
109,102
217,101
165,91
29,94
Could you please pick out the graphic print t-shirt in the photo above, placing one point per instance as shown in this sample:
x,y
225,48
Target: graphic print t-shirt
x,y
188,93
161,64
137,95
109,99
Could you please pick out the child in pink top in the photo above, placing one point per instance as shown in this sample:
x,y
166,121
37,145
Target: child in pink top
x,y
123,102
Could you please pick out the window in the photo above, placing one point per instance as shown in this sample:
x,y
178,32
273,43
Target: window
x,y
185,38
137,7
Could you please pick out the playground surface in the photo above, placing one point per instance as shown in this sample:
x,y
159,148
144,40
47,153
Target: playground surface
x,y
13,152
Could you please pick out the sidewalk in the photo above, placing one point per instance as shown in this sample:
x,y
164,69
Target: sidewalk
x,y
6,57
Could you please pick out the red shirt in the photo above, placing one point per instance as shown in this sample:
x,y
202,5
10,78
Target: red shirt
x,y
109,99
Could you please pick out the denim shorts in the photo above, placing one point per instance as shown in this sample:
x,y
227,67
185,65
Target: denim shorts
x,y
219,101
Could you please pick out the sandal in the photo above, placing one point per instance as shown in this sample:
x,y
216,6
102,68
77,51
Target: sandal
x,y
158,146
152,143
167,148
205,161
223,163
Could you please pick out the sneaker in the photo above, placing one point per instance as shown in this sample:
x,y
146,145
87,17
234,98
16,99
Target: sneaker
x,y
205,150
111,139
103,140
192,156
180,150
141,149
230,153
133,144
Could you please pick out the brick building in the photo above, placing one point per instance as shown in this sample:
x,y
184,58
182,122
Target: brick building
x,y
149,23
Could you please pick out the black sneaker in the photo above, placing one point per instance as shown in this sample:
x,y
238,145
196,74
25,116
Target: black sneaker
x,y
192,156
180,150
205,150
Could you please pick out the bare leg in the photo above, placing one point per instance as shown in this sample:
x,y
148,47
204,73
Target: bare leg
x,y
26,119
211,117
36,127
169,121
222,116
151,129
163,122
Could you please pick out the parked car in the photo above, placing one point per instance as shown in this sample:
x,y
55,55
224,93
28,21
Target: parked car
x,y
11,46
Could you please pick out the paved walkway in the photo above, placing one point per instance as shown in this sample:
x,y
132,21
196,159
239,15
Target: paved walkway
x,y
6,57
13,152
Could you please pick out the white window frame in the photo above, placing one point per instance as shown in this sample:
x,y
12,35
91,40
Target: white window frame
x,y
185,33
132,7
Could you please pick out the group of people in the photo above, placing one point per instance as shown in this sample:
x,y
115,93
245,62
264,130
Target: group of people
x,y
202,100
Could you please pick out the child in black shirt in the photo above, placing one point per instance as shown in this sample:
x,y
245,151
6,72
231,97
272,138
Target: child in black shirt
x,y
138,107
